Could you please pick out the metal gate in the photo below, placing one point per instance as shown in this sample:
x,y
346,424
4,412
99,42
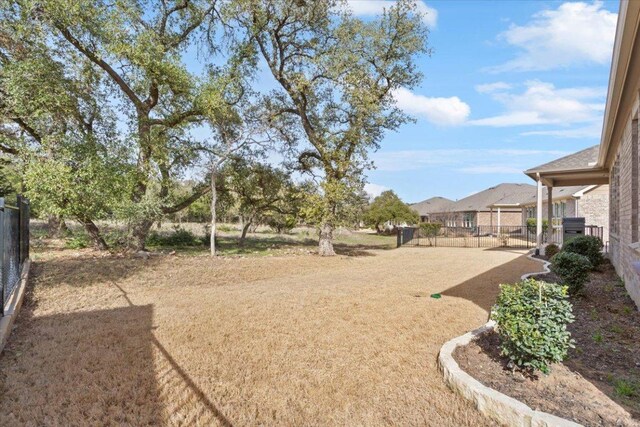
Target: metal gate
x,y
475,237
14,245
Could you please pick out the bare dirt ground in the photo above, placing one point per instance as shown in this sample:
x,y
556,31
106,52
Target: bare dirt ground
x,y
291,340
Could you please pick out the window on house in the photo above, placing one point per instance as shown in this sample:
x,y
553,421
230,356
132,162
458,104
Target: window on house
x,y
467,219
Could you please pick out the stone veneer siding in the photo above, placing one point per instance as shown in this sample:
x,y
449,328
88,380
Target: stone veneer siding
x,y
594,207
623,194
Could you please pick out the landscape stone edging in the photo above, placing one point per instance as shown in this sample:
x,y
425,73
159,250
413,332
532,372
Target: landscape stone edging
x,y
10,314
495,405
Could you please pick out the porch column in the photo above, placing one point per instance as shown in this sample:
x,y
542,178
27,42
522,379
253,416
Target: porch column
x,y
499,222
491,219
539,216
550,213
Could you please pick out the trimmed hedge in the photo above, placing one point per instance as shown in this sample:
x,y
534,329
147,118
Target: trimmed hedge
x,y
532,318
572,268
589,246
551,250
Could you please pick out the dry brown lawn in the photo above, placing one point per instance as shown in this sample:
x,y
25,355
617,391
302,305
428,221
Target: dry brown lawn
x,y
297,340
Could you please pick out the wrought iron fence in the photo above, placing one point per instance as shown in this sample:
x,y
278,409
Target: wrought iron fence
x,y
14,245
483,236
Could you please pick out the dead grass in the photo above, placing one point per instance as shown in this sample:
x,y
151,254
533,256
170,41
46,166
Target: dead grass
x,y
286,340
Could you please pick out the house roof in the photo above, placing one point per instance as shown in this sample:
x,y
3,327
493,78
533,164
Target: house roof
x,y
507,194
576,169
584,159
558,193
434,204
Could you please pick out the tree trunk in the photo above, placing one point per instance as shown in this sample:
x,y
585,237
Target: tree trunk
x,y
139,233
325,244
94,232
56,225
245,228
214,199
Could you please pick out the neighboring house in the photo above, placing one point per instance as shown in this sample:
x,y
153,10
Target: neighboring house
x,y
499,205
433,205
616,160
590,202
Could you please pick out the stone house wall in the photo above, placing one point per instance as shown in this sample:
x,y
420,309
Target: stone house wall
x,y
623,212
594,207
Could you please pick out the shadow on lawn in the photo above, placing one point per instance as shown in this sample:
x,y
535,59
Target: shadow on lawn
x,y
483,289
102,367
87,271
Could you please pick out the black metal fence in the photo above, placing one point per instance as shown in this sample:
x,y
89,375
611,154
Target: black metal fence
x,y
14,245
484,236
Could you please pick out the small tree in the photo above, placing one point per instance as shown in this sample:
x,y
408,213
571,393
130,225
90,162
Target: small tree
x,y
388,207
532,318
259,189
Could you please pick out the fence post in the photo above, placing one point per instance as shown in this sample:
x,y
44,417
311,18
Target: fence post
x,y
399,238
2,281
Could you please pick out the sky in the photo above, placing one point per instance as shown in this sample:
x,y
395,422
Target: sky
x,y
509,85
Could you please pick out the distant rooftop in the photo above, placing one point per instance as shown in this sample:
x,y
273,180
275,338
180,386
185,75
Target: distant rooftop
x,y
502,193
434,204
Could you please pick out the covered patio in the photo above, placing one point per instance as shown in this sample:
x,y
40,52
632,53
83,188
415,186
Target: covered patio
x,y
581,168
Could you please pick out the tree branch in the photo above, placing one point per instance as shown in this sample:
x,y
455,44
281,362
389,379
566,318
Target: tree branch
x,y
198,192
93,57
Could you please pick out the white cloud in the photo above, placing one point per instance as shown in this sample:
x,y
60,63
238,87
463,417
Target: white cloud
x,y
493,87
574,33
543,104
516,159
440,111
374,190
376,7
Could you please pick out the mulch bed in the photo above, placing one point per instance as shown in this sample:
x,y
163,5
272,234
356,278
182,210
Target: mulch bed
x,y
599,384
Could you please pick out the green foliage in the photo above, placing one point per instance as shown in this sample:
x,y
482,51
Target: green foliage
x,y
589,246
532,318
573,269
281,223
532,225
335,89
626,388
430,229
9,178
551,249
78,241
388,207
597,337
83,81
179,238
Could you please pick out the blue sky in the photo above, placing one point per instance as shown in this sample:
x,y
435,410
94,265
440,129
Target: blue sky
x,y
510,85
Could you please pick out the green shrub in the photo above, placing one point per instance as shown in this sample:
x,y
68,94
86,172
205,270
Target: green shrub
x,y
180,237
532,225
573,269
551,250
78,241
532,318
430,229
589,246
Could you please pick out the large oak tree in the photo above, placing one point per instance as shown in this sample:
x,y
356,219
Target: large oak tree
x,y
336,76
